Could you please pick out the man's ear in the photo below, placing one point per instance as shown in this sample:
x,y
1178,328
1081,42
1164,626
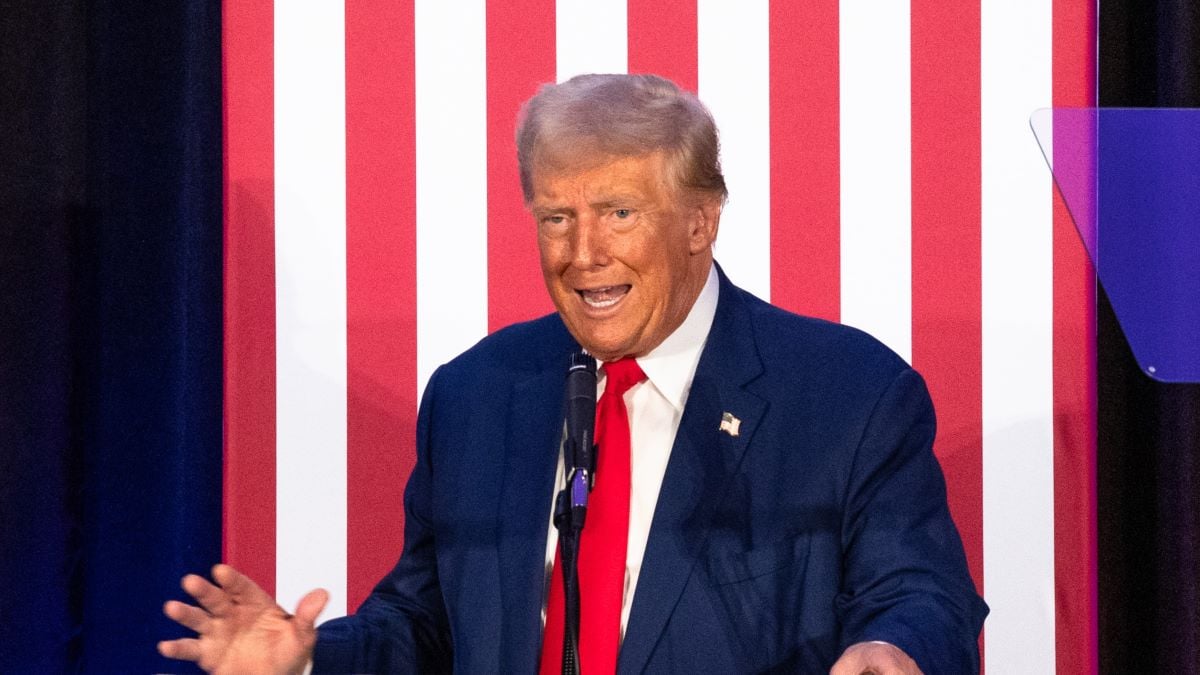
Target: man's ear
x,y
706,217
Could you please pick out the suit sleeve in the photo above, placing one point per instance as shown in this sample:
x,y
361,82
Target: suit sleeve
x,y
402,626
905,575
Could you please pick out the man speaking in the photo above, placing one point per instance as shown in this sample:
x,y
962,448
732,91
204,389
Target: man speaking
x,y
766,496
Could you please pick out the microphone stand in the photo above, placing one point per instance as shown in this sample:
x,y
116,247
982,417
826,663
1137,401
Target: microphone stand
x,y
570,506
568,546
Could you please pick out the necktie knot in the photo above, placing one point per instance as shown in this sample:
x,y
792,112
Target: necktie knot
x,y
621,375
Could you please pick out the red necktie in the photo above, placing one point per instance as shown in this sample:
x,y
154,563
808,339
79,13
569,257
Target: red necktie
x,y
602,546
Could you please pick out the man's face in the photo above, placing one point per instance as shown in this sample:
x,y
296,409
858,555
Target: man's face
x,y
623,256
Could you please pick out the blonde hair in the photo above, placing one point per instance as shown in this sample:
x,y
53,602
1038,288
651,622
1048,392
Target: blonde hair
x,y
593,117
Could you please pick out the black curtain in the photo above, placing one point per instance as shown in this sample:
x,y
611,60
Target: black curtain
x,y
110,326
1149,432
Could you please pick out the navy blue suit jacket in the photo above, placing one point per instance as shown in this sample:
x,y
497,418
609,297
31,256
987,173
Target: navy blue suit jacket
x,y
821,524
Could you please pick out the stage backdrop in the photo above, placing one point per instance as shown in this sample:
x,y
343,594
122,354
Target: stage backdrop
x,y
881,173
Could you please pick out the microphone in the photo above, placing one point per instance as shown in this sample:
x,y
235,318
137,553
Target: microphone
x,y
581,410
570,508
579,448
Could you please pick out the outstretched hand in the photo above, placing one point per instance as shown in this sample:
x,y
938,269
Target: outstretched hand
x,y
240,628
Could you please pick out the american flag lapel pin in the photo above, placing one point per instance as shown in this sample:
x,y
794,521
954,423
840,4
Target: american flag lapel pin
x,y
729,424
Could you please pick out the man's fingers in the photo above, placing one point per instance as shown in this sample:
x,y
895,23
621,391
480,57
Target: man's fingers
x,y
310,606
211,598
187,615
239,586
186,649
232,587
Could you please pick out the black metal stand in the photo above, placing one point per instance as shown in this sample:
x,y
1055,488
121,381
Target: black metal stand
x,y
568,546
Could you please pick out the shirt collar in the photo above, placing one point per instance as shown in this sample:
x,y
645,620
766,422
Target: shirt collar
x,y
671,366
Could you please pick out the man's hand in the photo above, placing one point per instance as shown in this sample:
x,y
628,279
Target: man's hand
x,y
875,658
241,629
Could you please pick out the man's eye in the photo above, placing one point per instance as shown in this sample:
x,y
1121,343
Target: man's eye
x,y
623,213
554,225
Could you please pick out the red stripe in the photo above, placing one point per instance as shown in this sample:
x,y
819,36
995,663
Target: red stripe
x,y
946,248
805,158
520,57
662,39
1075,576
249,513
381,277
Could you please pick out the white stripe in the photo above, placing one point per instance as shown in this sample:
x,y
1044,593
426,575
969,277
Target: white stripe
x,y
451,120
733,60
590,37
310,300
876,170
1018,424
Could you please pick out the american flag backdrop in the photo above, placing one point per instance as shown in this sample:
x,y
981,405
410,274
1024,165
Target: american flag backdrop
x,y
881,173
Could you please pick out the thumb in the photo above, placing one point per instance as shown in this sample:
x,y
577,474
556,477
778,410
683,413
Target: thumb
x,y
310,606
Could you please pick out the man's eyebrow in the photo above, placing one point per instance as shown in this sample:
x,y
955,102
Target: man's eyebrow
x,y
547,209
615,200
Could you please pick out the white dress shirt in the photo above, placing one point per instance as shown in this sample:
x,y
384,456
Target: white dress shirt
x,y
655,407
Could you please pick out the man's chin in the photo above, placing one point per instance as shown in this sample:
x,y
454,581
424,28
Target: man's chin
x,y
601,353
605,339
602,350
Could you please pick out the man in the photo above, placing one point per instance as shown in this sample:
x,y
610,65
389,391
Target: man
x,y
779,508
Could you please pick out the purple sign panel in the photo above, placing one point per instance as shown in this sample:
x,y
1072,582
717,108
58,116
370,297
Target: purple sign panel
x,y
1131,180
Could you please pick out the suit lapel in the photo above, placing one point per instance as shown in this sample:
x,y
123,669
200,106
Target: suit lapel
x,y
529,463
703,459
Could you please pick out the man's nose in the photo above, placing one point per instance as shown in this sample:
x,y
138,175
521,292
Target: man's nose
x,y
589,245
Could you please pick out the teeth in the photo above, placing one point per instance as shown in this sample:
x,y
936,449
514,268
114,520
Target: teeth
x,y
596,302
604,297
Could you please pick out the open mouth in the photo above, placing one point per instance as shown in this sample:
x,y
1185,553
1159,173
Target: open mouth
x,y
601,298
